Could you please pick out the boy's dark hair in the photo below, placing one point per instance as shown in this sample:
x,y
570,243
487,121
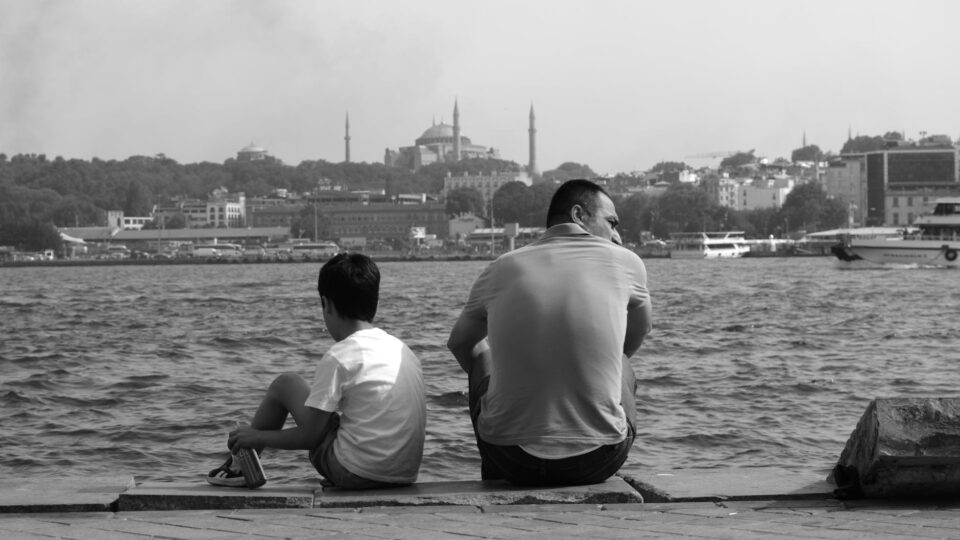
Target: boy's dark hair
x,y
352,282
579,191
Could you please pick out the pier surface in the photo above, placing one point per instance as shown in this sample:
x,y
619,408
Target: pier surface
x,y
736,503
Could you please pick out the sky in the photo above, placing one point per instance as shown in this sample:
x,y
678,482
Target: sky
x,y
618,85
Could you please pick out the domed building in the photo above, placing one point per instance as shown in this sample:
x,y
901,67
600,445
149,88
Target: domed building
x,y
252,152
439,143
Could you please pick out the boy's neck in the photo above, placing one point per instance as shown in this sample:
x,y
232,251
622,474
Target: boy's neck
x,y
346,327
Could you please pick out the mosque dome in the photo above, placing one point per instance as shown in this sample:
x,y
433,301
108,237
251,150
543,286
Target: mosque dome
x,y
438,131
252,149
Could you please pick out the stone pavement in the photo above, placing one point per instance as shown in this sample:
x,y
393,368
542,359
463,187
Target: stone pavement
x,y
741,503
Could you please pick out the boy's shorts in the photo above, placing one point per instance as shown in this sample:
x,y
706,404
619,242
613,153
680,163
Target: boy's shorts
x,y
324,459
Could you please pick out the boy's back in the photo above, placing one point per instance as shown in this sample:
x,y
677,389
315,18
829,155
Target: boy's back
x,y
376,384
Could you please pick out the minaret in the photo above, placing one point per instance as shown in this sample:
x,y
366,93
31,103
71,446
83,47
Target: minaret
x,y
346,139
456,131
532,166
804,145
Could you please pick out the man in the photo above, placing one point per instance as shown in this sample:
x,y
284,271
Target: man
x,y
545,338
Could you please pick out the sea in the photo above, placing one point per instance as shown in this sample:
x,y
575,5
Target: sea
x,y
141,371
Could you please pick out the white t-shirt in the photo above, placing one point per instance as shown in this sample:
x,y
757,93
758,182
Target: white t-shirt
x,y
375,383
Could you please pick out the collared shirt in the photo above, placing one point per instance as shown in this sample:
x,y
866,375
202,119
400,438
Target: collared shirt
x,y
556,313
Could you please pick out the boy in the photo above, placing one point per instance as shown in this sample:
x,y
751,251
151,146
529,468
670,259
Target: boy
x,y
363,417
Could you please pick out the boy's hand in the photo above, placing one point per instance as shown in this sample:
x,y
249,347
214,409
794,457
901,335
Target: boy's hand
x,y
243,437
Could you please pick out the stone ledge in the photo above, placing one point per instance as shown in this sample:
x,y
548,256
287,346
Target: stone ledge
x,y
477,493
28,495
121,494
197,496
766,483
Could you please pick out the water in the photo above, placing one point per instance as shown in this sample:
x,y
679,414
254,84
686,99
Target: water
x,y
141,370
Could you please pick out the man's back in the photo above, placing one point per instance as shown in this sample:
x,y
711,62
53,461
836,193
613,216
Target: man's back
x,y
557,315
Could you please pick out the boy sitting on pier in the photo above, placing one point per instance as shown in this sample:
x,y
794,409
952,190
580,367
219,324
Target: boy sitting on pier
x,y
363,417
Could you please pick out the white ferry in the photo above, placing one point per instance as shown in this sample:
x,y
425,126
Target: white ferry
x,y
933,241
708,245
313,251
217,251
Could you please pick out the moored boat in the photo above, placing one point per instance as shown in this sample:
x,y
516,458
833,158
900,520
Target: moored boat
x,y
933,241
708,245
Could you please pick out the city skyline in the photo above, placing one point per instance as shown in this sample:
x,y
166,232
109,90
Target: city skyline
x,y
617,85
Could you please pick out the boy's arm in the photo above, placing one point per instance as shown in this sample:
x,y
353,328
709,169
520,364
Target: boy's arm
x,y
305,436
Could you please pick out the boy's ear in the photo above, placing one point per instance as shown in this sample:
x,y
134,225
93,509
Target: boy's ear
x,y
328,306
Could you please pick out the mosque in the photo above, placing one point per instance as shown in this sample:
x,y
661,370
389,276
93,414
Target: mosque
x,y
444,143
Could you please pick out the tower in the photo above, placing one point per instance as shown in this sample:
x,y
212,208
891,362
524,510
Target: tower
x,y
346,140
532,165
456,131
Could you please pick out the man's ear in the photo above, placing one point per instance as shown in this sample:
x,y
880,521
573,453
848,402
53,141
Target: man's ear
x,y
576,214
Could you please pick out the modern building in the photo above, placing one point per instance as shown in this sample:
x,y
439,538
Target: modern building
x,y
845,180
893,186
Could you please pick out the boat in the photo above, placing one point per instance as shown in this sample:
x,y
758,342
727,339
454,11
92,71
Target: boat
x,y
316,251
934,240
708,245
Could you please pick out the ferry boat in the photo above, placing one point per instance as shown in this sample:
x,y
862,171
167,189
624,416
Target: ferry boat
x,y
934,240
217,251
316,251
708,245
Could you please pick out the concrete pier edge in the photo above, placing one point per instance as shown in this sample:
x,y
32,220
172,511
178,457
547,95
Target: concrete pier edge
x,y
123,494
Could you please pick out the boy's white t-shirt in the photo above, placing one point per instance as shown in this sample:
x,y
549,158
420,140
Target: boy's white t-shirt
x,y
374,381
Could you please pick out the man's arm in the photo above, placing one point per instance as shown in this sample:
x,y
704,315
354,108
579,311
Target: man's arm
x,y
305,436
466,333
639,324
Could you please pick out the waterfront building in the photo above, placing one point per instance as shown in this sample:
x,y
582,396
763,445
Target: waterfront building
x,y
749,194
894,185
386,221
461,226
486,184
274,212
845,180
225,209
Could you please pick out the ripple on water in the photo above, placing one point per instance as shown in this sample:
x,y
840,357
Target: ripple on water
x,y
143,370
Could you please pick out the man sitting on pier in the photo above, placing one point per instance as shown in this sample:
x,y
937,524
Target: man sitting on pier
x,y
546,337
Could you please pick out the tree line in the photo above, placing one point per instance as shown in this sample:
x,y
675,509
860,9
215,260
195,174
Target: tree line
x,y
38,195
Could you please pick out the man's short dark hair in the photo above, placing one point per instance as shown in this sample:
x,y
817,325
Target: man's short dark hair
x,y
352,282
572,192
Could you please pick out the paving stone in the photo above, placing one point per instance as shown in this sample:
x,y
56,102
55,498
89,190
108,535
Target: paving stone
x,y
475,493
903,447
766,483
98,494
182,496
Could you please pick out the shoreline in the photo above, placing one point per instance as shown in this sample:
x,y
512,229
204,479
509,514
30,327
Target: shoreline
x,y
375,256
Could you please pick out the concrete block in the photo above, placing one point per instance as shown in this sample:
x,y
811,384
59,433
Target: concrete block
x,y
100,494
479,493
743,484
902,447
197,496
